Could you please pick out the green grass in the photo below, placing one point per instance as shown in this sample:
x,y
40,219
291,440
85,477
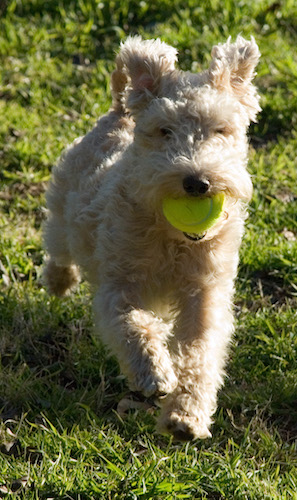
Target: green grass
x,y
59,429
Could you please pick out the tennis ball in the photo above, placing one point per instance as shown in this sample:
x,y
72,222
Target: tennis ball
x,y
193,215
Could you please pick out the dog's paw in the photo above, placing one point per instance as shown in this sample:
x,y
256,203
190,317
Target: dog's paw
x,y
183,427
154,385
60,279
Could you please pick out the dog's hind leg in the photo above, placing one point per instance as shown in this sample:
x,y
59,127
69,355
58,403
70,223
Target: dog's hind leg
x,y
60,273
60,279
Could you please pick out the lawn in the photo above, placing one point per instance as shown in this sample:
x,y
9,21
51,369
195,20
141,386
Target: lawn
x,y
60,434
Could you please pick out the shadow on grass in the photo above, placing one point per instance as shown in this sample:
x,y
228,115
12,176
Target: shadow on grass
x,y
52,364
50,360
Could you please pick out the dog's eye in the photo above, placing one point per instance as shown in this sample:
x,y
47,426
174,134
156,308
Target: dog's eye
x,y
221,131
166,132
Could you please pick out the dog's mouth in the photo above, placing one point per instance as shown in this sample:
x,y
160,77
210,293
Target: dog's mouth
x,y
195,237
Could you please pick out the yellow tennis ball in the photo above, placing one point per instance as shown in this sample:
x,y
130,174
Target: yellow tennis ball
x,y
193,215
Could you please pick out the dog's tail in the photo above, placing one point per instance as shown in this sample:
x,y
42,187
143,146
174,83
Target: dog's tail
x,y
60,280
119,81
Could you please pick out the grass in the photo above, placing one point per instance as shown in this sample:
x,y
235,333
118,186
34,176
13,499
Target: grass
x,y
60,434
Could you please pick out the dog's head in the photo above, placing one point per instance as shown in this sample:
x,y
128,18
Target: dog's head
x,y
190,129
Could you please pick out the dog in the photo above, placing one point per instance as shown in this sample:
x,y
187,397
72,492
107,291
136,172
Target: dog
x,y
163,297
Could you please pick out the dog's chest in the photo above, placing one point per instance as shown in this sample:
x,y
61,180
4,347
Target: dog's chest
x,y
165,266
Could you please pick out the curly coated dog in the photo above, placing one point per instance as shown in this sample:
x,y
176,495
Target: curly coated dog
x,y
163,297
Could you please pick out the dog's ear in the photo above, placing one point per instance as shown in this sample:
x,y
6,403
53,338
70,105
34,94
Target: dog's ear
x,y
233,68
140,67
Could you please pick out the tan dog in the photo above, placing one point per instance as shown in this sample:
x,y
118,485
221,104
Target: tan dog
x,y
163,300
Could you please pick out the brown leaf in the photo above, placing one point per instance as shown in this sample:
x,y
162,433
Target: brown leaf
x,y
289,235
12,448
128,403
4,490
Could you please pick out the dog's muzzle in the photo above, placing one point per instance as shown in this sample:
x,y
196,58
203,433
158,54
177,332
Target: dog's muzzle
x,y
194,237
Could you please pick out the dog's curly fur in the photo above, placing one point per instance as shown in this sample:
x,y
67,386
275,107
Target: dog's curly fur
x,y
163,302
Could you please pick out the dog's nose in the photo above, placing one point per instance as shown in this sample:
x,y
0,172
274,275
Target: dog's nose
x,y
194,186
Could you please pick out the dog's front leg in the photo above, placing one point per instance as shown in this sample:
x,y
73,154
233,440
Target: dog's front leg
x,y
138,339
203,331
